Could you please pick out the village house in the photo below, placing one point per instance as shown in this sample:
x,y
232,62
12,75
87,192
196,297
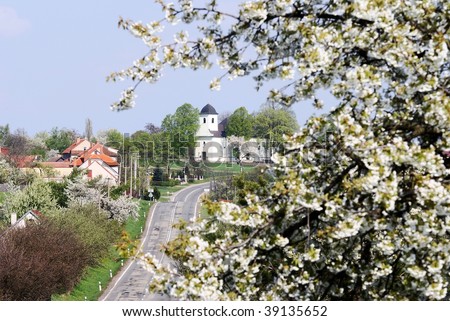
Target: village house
x,y
31,216
96,159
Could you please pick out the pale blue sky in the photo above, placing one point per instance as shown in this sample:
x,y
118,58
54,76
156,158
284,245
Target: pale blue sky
x,y
55,56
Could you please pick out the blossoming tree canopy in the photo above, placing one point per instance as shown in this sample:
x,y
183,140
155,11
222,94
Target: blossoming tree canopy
x,y
360,205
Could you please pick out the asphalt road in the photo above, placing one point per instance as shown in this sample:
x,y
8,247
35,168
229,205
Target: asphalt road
x,y
131,284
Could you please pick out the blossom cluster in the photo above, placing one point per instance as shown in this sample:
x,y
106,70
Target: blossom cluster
x,y
79,193
360,206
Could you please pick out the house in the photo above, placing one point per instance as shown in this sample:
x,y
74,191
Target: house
x,y
97,159
26,161
4,151
213,145
21,161
82,146
32,216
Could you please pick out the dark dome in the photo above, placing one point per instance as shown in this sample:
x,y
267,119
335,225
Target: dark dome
x,y
209,110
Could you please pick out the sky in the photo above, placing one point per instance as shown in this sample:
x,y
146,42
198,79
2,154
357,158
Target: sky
x,y
56,55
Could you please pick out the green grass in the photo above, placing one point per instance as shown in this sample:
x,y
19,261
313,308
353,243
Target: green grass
x,y
88,287
233,168
2,197
165,190
204,212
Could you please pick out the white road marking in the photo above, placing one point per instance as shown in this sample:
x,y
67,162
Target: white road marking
x,y
147,234
170,230
131,262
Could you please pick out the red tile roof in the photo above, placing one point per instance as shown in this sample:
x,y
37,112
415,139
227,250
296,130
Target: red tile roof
x,y
71,148
24,161
96,151
4,151
77,162
108,160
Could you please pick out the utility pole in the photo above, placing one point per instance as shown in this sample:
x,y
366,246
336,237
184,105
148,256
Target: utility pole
x,y
131,175
135,170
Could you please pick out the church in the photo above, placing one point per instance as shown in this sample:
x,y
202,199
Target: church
x,y
213,145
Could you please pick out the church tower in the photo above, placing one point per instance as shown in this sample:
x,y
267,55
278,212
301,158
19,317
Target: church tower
x,y
209,118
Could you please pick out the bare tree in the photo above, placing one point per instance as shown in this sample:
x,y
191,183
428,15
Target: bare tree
x,y
152,128
224,116
19,145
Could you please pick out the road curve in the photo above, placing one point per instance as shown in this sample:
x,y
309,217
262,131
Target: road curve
x,y
131,283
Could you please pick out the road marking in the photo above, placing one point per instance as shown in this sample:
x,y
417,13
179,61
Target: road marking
x,y
147,234
170,230
187,196
196,202
131,262
195,208
195,187
147,228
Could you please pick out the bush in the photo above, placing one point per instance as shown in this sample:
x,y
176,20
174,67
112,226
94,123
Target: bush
x,y
58,192
170,183
40,260
156,195
118,191
92,226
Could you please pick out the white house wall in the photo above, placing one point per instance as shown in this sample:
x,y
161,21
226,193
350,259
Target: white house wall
x,y
99,168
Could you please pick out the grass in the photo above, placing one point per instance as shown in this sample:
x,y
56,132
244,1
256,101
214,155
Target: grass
x,y
204,212
168,191
88,287
2,196
227,167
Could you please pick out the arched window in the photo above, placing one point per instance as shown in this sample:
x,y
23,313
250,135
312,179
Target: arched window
x,y
204,120
212,120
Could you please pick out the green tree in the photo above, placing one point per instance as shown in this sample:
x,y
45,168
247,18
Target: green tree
x,y
180,131
181,128
58,192
240,123
36,196
60,139
110,137
158,175
359,207
272,124
38,145
143,143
